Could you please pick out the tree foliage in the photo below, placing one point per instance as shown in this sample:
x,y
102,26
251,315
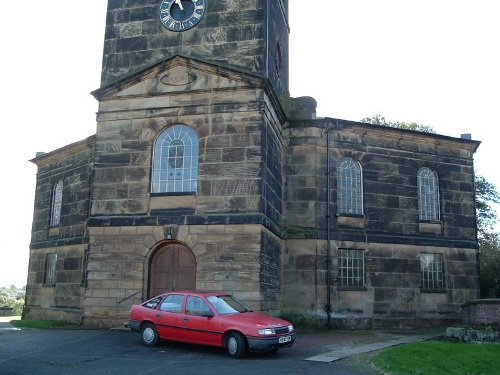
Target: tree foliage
x,y
380,120
12,297
489,263
486,194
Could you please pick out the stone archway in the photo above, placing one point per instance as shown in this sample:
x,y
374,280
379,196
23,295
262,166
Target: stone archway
x,y
172,267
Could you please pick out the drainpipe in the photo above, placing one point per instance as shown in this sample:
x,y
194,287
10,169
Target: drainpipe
x,y
328,307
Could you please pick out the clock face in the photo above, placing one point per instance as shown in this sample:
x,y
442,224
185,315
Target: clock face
x,y
181,15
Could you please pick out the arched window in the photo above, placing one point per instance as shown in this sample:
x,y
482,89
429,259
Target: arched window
x,y
175,161
55,215
349,187
428,195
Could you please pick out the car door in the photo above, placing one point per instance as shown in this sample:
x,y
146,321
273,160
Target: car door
x,y
167,316
200,323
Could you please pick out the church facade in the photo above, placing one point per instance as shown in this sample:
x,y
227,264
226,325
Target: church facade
x,y
205,174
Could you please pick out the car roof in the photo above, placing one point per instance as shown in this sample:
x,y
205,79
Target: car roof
x,y
201,293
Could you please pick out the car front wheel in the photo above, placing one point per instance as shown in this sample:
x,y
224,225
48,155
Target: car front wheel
x,y
149,335
236,345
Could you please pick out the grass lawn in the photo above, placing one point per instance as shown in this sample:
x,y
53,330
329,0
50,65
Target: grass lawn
x,y
43,324
440,357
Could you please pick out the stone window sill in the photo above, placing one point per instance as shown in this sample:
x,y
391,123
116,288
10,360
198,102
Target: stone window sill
x,y
352,288
433,290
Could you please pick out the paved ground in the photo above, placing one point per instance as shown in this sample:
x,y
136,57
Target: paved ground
x,y
337,346
106,352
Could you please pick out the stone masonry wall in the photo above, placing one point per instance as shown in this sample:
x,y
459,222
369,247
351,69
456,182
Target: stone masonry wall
x,y
482,312
64,299
73,165
228,259
230,154
393,284
232,32
388,232
390,161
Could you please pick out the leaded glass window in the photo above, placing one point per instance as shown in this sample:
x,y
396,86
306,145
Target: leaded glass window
x,y
57,193
351,268
428,195
431,269
175,161
349,187
50,268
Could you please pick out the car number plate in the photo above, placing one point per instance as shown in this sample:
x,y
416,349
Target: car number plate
x,y
284,339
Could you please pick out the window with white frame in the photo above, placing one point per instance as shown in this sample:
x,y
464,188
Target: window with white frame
x,y
431,270
57,194
50,268
428,195
351,271
175,161
349,187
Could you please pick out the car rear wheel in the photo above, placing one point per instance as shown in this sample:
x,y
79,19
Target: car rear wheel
x,y
236,345
150,335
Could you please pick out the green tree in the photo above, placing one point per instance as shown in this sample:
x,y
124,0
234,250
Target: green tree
x,y
18,306
486,195
381,120
4,298
489,263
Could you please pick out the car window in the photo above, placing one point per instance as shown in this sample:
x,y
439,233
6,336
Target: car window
x,y
196,306
152,303
225,305
173,303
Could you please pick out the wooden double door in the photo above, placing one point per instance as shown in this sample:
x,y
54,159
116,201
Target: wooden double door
x,y
172,267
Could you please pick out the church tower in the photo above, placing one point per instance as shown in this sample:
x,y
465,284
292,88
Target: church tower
x,y
187,188
249,35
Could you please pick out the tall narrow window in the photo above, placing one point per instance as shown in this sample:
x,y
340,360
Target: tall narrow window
x,y
175,161
351,268
428,195
50,268
349,187
57,193
431,270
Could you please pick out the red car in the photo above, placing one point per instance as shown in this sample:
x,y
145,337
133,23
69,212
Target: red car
x,y
216,319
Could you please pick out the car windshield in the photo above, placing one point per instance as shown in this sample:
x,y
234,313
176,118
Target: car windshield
x,y
226,305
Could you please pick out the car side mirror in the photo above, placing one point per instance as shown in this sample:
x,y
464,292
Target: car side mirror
x,y
207,314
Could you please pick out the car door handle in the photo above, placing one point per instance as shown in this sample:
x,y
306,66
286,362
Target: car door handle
x,y
158,315
185,319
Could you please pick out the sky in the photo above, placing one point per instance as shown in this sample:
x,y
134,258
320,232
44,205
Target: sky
x,y
434,62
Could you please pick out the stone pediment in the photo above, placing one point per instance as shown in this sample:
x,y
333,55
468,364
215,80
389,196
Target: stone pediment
x,y
179,75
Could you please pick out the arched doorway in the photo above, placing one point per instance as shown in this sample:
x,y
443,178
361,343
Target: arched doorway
x,y
172,267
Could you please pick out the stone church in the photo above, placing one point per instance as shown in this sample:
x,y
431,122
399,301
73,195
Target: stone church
x,y
204,173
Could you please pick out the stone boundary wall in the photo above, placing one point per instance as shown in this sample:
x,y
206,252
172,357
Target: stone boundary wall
x,y
6,311
480,312
472,335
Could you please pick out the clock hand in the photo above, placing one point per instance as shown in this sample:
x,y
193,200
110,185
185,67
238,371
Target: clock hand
x,y
178,2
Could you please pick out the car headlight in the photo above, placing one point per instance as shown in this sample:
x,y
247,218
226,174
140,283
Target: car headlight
x,y
266,331
290,328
